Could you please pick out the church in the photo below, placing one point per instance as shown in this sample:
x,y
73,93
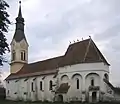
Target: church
x,y
81,74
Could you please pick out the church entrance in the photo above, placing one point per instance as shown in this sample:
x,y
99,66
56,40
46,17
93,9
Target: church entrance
x,y
60,98
94,97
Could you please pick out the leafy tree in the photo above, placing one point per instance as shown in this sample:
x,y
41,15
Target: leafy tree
x,y
4,24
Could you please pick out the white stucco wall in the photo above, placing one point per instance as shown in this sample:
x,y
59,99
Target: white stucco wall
x,y
23,86
84,72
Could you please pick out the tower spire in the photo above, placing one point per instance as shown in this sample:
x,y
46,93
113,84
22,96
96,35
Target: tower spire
x,y
20,13
19,45
20,19
19,31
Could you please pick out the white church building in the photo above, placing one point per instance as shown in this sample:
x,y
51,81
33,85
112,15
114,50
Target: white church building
x,y
81,74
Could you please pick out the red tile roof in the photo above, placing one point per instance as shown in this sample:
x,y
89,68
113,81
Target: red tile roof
x,y
81,52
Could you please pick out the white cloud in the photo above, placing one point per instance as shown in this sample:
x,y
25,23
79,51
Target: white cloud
x,y
51,24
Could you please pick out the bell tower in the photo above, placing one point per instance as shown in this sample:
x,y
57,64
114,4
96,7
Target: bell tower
x,y
19,45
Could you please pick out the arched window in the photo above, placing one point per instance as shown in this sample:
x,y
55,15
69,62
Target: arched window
x,y
64,78
13,55
23,55
40,85
77,83
32,87
92,82
106,76
50,85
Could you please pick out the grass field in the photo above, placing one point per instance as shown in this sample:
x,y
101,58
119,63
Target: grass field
x,y
17,102
20,102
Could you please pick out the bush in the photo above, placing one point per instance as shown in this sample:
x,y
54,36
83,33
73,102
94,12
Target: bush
x,y
2,93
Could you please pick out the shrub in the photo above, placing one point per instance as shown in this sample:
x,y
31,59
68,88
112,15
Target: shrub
x,y
2,93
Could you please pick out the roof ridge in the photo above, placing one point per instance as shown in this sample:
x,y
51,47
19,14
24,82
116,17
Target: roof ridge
x,y
87,50
70,45
78,42
46,59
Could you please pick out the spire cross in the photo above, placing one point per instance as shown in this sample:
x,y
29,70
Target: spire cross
x,y
20,2
19,14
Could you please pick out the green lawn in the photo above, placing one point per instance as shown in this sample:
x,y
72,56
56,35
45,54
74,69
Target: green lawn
x,y
16,102
20,102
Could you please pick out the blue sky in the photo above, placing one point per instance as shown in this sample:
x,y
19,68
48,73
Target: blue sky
x,y
51,24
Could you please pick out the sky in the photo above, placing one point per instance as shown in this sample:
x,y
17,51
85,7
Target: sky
x,y
50,25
